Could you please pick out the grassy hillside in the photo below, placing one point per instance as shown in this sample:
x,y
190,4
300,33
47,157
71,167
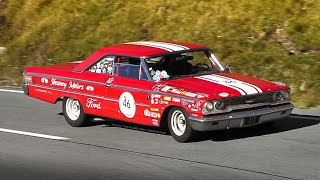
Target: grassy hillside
x,y
275,40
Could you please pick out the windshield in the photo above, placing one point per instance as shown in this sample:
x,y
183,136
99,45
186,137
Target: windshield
x,y
181,65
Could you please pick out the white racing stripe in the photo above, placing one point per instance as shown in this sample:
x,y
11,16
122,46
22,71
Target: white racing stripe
x,y
255,87
171,44
161,45
242,87
8,90
242,92
33,134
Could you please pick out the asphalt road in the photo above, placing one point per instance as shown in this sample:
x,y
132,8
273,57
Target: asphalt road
x,y
113,150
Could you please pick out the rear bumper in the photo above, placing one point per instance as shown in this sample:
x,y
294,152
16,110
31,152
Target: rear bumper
x,y
241,119
25,88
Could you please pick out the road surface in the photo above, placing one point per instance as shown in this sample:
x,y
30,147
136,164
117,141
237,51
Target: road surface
x,y
37,143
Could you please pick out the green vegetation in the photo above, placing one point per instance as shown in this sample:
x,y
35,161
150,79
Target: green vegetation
x,y
275,40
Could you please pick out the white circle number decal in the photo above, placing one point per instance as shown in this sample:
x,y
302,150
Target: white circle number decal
x,y
127,104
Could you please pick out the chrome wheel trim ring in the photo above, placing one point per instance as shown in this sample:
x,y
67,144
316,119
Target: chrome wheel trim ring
x,y
178,123
73,109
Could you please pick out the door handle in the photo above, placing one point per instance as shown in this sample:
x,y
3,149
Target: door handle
x,y
108,85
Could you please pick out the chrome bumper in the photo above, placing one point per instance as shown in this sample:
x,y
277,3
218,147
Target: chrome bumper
x,y
241,119
25,88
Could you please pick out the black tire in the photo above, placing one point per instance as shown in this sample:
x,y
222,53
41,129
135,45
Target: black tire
x,y
80,119
179,132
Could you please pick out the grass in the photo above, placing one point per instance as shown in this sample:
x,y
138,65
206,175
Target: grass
x,y
274,40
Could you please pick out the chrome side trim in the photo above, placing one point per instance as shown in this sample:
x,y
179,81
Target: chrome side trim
x,y
115,86
84,94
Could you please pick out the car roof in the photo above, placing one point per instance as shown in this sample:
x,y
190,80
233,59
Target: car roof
x,y
139,49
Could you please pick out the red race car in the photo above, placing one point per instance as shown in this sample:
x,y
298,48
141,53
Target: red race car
x,y
180,85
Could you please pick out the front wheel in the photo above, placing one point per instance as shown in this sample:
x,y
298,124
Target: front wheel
x,y
179,126
74,114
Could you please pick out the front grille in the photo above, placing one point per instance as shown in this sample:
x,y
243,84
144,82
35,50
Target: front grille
x,y
250,100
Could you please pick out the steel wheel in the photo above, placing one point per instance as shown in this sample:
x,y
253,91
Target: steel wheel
x,y
178,123
179,126
74,114
73,109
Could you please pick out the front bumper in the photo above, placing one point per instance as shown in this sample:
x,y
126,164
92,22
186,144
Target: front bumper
x,y
241,118
25,88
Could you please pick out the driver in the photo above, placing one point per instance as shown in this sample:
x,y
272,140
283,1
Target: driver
x,y
179,65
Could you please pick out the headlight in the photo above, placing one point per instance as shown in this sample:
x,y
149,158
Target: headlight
x,y
285,95
277,96
219,105
209,106
281,96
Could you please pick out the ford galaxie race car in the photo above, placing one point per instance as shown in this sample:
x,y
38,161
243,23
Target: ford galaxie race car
x,y
178,85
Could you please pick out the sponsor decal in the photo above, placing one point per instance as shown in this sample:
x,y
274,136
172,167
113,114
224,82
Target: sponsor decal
x,y
44,80
110,80
55,82
190,94
157,87
185,102
155,122
176,100
224,94
200,96
157,95
194,110
194,106
154,109
184,92
154,114
167,98
75,85
93,103
146,112
127,104
166,88
229,81
163,102
195,115
43,91
176,91
90,88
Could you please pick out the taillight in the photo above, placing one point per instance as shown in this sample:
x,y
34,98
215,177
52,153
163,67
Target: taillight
x,y
27,79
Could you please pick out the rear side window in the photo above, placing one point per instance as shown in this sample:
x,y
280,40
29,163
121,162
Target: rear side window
x,y
104,66
129,67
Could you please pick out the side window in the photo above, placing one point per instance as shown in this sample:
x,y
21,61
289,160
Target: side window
x,y
104,66
129,67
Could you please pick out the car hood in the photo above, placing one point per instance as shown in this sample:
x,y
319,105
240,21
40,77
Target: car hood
x,y
220,85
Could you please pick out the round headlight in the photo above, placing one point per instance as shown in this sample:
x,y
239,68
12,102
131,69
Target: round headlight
x,y
285,95
277,96
209,106
218,105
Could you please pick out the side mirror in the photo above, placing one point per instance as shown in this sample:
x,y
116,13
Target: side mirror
x,y
228,68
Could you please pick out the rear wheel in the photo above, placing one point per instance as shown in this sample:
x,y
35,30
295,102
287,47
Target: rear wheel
x,y
179,126
74,114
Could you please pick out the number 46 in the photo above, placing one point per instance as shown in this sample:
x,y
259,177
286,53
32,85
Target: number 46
x,y
126,103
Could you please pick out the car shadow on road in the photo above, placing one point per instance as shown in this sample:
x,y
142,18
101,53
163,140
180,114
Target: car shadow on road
x,y
287,124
